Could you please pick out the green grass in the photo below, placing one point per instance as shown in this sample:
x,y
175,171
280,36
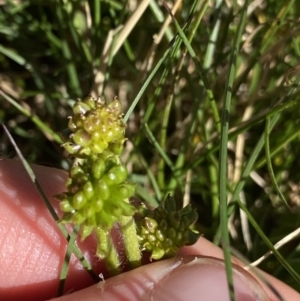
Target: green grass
x,y
212,106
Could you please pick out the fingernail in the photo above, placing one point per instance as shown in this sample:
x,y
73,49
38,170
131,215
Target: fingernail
x,y
205,279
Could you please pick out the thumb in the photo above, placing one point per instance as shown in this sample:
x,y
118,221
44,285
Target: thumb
x,y
186,278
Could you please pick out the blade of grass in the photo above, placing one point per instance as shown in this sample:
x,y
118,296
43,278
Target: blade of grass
x,y
205,83
213,171
179,167
32,68
34,118
269,163
145,85
149,199
266,41
118,24
234,132
275,25
168,161
158,147
189,132
65,266
61,227
97,13
175,44
211,47
265,239
151,176
157,38
295,234
249,166
246,172
160,18
207,62
10,53
170,98
223,150
163,140
278,148
67,53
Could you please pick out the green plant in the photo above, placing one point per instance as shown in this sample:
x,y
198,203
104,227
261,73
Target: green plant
x,y
98,194
172,76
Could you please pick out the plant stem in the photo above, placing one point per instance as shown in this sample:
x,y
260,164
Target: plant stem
x,y
107,251
132,249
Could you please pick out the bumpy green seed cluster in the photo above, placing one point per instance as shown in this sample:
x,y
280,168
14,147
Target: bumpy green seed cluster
x,y
164,230
97,191
96,128
98,194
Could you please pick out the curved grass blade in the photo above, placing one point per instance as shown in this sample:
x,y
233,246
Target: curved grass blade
x,y
245,174
34,118
234,132
61,227
223,151
153,181
295,234
205,83
66,51
163,140
158,147
65,266
145,85
279,257
175,44
269,163
149,199
179,164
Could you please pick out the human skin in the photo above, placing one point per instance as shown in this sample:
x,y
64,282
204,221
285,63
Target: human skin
x,y
33,249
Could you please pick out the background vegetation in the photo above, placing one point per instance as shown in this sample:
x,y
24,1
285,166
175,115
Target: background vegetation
x,y
226,57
